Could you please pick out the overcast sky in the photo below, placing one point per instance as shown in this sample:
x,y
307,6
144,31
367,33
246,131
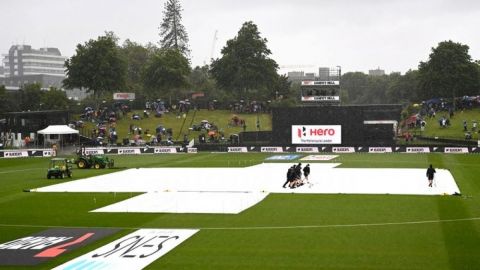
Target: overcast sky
x,y
394,35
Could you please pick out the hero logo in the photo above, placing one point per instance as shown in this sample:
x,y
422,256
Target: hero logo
x,y
317,134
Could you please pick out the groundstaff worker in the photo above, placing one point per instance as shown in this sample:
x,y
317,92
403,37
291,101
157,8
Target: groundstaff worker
x,y
430,174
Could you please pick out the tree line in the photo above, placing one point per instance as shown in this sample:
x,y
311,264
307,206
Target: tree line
x,y
450,72
245,70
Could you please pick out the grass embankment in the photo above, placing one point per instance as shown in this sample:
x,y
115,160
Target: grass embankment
x,y
304,237
180,126
455,130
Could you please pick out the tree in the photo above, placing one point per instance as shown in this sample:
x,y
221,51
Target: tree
x,y
136,56
31,96
9,101
449,72
403,89
166,74
97,66
200,80
354,84
172,33
245,68
54,99
377,88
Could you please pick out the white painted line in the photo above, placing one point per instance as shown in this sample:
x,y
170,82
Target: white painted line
x,y
24,170
326,226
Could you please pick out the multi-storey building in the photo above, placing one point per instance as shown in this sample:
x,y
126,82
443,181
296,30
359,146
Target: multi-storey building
x,y
24,65
376,72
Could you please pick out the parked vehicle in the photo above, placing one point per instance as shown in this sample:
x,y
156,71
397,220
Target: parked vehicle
x,y
59,168
94,161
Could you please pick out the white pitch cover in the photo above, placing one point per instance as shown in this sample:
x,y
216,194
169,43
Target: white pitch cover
x,y
134,251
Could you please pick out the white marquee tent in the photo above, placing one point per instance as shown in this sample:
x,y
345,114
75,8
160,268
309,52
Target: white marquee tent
x,y
50,133
58,129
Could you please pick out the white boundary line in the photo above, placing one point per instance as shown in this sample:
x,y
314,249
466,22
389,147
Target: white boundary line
x,y
24,170
269,227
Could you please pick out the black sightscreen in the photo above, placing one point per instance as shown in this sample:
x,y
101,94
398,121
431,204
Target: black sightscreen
x,y
352,119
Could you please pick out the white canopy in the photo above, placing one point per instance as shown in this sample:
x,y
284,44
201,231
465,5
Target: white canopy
x,y
58,129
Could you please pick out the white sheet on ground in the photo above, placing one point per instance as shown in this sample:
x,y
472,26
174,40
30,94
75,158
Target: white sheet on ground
x,y
212,187
188,202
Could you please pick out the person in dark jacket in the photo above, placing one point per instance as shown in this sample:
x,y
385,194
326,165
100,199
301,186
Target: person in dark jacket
x,y
306,172
290,176
430,175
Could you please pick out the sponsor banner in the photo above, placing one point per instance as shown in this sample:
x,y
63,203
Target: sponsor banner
x,y
475,150
237,149
123,96
94,151
343,149
164,150
307,149
362,149
47,245
325,149
380,150
147,150
283,157
134,251
456,150
316,134
418,150
128,151
271,149
192,150
319,157
307,83
15,154
47,153
320,98
38,152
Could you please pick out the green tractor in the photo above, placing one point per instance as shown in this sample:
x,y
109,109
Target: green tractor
x,y
59,168
94,161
